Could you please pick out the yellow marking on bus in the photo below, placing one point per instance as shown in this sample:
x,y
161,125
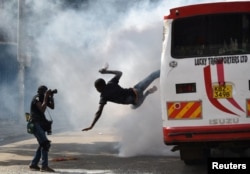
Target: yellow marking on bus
x,y
184,110
248,108
196,112
171,109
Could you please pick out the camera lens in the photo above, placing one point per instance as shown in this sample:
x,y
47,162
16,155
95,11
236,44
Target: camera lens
x,y
54,91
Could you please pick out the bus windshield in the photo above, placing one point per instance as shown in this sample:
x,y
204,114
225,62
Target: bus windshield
x,y
211,35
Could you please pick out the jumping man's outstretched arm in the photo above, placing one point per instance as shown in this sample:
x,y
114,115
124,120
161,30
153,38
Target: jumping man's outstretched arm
x,y
97,116
118,74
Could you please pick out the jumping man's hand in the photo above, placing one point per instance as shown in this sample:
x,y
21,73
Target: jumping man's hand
x,y
103,70
86,129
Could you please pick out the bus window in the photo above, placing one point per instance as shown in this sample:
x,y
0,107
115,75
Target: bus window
x,y
211,35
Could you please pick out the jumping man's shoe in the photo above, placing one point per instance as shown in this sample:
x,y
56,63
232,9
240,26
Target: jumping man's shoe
x,y
152,90
34,168
142,97
47,169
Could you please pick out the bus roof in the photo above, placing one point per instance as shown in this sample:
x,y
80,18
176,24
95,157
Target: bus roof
x,y
208,8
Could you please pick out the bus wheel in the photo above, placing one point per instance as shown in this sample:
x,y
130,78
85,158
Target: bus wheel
x,y
194,155
192,162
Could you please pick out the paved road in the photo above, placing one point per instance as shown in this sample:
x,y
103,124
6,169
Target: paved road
x,y
72,153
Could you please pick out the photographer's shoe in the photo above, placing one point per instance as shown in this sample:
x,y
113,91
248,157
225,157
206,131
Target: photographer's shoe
x,y
34,168
47,169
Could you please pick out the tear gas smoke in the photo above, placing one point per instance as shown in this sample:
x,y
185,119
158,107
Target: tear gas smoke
x,y
71,45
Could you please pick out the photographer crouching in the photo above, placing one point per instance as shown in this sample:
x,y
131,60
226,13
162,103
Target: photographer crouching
x,y
42,100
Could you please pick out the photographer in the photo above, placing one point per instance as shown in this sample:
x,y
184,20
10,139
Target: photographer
x,y
39,103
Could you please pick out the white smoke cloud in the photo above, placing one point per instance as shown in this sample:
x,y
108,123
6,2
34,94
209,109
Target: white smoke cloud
x,y
75,44
8,18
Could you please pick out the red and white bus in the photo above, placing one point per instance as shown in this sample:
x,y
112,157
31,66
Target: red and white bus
x,y
205,78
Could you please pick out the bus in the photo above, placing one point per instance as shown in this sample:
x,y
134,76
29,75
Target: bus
x,y
205,79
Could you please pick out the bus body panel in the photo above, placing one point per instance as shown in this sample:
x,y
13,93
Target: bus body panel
x,y
205,90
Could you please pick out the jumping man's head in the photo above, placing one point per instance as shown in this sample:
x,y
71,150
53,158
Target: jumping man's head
x,y
100,84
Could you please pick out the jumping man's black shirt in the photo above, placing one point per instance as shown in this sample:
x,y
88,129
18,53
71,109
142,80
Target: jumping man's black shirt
x,y
113,92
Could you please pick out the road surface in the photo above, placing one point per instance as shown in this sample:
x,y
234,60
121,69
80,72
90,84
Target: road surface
x,y
78,152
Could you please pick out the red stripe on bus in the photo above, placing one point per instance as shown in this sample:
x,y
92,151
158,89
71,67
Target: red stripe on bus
x,y
234,103
221,81
220,73
209,91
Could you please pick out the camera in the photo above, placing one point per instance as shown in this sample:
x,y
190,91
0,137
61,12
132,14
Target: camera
x,y
54,91
49,132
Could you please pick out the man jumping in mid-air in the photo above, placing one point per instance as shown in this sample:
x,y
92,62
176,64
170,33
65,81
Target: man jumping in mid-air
x,y
113,92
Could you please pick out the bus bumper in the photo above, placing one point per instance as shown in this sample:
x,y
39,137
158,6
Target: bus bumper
x,y
177,135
